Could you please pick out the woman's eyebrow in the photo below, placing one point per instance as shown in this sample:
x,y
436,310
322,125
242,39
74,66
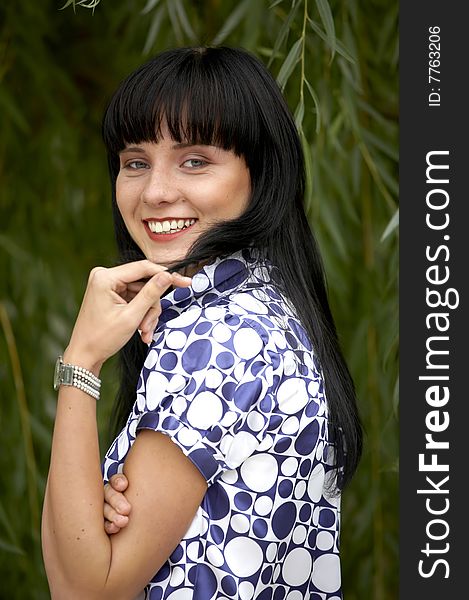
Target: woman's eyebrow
x,y
178,146
181,145
132,149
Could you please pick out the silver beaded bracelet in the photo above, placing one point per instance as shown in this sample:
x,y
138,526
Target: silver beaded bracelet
x,y
79,377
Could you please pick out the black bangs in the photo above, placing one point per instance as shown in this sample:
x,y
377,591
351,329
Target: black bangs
x,y
197,92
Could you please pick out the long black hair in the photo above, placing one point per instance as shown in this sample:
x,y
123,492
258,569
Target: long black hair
x,y
226,97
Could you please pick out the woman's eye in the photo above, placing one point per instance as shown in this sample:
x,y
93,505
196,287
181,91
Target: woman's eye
x,y
194,163
135,165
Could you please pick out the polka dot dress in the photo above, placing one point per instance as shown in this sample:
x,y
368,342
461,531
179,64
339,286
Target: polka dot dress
x,y
232,378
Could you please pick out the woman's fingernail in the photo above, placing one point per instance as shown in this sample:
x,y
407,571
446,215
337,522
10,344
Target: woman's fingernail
x,y
163,278
183,277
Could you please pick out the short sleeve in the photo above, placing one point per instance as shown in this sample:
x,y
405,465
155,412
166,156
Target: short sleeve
x,y
209,385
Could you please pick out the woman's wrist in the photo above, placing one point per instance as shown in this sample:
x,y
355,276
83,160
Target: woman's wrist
x,y
79,358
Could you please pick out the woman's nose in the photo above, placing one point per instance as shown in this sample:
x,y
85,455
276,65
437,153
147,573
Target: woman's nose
x,y
159,187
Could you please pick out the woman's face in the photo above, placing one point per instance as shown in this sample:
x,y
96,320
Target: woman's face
x,y
169,193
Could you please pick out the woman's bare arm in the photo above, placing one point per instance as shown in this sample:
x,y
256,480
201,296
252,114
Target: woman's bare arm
x,y
165,488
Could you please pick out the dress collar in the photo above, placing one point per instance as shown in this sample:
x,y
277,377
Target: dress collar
x,y
213,280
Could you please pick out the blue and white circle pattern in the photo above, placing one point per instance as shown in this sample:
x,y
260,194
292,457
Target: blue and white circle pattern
x,y
232,378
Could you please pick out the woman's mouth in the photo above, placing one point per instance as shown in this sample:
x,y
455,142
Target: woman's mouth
x,y
168,228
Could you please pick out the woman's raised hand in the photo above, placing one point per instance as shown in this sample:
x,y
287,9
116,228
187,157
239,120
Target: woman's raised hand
x,y
116,303
116,506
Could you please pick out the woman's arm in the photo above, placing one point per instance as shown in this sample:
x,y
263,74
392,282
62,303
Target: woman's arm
x,y
165,488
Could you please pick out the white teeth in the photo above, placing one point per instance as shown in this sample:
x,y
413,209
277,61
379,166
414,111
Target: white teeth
x,y
155,226
169,226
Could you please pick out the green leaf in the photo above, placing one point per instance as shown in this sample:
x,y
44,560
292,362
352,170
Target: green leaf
x,y
89,4
282,34
332,225
316,104
351,77
68,4
10,548
269,52
154,29
299,113
232,22
16,252
308,158
328,22
150,5
387,176
391,226
7,524
356,169
40,432
184,20
381,144
9,108
370,110
339,46
395,397
83,3
173,17
289,63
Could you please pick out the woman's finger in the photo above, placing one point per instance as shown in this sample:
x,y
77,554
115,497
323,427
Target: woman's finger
x,y
112,515
132,290
148,324
135,271
111,528
150,319
119,482
116,500
149,295
181,280
152,291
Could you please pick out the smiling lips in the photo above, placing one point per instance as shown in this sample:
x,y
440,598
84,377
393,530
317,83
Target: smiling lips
x,y
167,227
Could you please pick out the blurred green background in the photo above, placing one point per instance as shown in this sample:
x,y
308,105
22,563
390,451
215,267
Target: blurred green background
x,y
337,62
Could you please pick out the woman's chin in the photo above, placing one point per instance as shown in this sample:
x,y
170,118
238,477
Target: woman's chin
x,y
164,260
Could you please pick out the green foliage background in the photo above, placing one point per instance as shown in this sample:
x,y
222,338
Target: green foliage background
x,y
337,62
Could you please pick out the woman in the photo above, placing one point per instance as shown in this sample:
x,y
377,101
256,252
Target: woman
x,y
234,460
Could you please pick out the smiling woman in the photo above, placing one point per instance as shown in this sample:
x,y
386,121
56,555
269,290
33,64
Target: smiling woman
x,y
235,405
